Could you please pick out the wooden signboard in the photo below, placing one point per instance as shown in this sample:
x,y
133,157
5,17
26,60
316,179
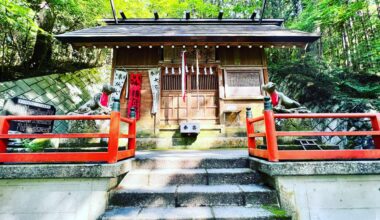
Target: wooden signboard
x,y
18,106
120,76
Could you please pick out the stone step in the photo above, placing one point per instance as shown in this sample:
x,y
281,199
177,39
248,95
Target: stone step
x,y
193,196
232,212
165,177
190,163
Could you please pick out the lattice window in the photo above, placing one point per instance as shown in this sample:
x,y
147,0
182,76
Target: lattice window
x,y
171,82
206,82
243,82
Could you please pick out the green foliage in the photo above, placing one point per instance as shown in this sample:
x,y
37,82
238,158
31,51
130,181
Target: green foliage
x,y
26,22
355,88
350,31
176,8
275,210
316,83
37,145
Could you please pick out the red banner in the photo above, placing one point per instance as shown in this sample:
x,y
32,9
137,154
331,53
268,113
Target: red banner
x,y
135,93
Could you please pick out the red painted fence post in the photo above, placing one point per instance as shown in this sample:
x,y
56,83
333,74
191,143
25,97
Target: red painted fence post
x,y
4,128
270,130
132,130
376,127
250,129
113,140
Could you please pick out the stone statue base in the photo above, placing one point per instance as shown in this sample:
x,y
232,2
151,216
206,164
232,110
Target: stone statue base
x,y
88,126
292,110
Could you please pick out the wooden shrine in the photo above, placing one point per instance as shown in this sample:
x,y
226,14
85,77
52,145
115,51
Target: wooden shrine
x,y
225,66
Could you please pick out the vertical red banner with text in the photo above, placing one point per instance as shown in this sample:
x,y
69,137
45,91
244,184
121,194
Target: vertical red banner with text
x,y
135,93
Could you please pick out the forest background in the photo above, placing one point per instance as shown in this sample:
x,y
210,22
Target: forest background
x,y
340,72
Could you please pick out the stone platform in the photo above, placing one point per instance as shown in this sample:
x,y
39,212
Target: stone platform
x,y
193,184
214,184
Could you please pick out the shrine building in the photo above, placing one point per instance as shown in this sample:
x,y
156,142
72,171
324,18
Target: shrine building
x,y
203,72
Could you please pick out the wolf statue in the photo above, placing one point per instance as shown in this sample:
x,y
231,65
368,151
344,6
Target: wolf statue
x,y
282,103
98,104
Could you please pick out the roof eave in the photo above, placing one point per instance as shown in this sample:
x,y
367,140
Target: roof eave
x,y
102,40
150,21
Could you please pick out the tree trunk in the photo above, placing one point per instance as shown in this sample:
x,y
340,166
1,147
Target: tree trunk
x,y
347,51
297,7
42,52
3,57
354,44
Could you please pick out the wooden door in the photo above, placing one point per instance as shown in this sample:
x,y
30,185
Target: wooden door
x,y
200,105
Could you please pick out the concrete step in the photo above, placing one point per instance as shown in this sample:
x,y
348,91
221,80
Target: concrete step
x,y
193,196
190,163
232,176
232,212
165,177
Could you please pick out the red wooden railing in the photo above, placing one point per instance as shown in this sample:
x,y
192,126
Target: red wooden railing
x,y
272,153
111,156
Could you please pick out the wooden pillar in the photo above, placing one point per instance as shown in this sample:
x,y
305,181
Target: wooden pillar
x,y
265,66
221,95
113,140
132,131
250,130
4,128
270,130
376,127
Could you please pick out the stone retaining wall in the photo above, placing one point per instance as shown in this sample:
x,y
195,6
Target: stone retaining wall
x,y
65,91
316,190
58,191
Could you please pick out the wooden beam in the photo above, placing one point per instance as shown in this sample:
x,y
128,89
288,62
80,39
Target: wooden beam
x,y
262,11
123,15
156,17
220,16
113,11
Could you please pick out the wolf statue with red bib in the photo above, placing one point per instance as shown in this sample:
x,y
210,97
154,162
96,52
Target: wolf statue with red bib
x,y
282,103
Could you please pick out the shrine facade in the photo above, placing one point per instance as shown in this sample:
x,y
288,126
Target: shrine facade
x,y
204,71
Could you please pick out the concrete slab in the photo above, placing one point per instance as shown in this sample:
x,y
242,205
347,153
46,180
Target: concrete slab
x,y
124,213
189,163
138,177
225,153
256,195
232,176
238,212
95,170
176,213
208,189
177,176
316,167
190,196
144,196
60,198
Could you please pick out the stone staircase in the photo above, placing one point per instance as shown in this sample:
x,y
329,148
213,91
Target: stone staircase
x,y
192,187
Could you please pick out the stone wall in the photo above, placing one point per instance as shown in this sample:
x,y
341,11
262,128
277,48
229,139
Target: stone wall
x,y
64,91
58,191
353,197
68,198
318,190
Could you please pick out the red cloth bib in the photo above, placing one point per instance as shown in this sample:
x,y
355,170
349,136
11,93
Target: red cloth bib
x,y
104,99
275,99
